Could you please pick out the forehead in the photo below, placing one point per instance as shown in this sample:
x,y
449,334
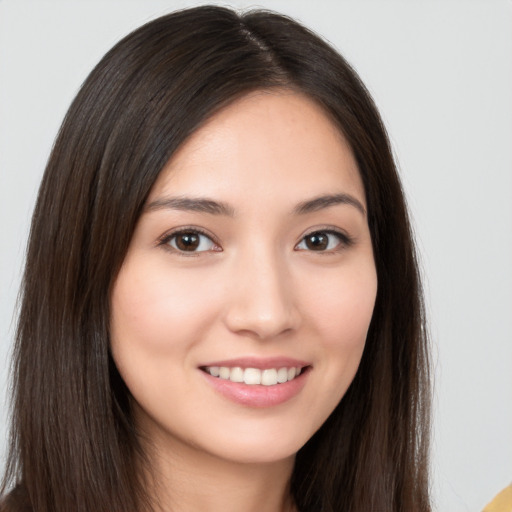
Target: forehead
x,y
274,143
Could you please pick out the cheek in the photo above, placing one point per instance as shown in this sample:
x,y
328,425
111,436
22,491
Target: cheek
x,y
155,311
341,313
157,321
342,308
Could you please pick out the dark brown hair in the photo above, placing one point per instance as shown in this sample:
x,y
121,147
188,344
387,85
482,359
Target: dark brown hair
x,y
73,443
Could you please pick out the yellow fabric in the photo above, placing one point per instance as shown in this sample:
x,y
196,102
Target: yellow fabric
x,y
502,502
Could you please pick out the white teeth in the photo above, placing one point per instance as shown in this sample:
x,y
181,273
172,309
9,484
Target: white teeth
x,y
236,375
269,377
282,375
224,372
253,376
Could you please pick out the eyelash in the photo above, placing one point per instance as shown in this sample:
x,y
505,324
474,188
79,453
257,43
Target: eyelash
x,y
345,240
168,237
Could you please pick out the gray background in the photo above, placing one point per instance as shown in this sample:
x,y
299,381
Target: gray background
x,y
441,73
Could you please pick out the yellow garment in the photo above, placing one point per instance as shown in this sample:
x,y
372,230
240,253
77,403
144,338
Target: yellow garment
x,y
502,502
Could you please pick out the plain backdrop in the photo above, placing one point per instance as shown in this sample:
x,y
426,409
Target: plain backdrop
x,y
441,74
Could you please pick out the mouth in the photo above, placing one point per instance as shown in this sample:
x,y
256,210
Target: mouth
x,y
255,376
257,382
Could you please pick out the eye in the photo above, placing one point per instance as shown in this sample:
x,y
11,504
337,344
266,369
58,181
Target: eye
x,y
323,241
190,240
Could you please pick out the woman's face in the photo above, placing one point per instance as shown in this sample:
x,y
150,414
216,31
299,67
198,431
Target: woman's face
x,y
252,258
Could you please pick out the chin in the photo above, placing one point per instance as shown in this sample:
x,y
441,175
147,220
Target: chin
x,y
259,445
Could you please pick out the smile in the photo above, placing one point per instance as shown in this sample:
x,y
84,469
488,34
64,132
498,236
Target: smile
x,y
257,381
254,376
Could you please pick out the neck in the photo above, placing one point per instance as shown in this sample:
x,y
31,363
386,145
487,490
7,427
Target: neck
x,y
187,480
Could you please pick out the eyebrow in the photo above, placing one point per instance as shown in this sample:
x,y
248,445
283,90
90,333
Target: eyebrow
x,y
321,202
205,205
194,204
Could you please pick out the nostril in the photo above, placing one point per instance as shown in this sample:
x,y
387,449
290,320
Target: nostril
x,y
261,325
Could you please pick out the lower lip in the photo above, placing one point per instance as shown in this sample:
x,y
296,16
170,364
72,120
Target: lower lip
x,y
258,395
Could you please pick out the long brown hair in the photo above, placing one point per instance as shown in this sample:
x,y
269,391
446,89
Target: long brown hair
x,y
73,443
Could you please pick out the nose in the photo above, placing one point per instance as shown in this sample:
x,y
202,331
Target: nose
x,y
262,302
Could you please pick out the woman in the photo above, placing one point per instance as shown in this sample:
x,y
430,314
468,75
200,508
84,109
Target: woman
x,y
221,304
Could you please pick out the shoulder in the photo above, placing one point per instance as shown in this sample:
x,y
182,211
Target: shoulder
x,y
502,502
15,501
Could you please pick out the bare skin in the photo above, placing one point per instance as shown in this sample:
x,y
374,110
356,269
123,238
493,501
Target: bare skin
x,y
218,485
253,255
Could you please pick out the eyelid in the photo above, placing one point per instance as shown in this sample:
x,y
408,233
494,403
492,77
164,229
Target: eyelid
x,y
163,240
345,239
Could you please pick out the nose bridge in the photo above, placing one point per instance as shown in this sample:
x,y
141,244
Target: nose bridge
x,y
262,301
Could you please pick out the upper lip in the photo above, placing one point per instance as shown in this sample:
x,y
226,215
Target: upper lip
x,y
261,363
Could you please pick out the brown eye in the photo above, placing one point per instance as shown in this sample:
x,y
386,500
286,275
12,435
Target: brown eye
x,y
191,241
317,241
322,241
